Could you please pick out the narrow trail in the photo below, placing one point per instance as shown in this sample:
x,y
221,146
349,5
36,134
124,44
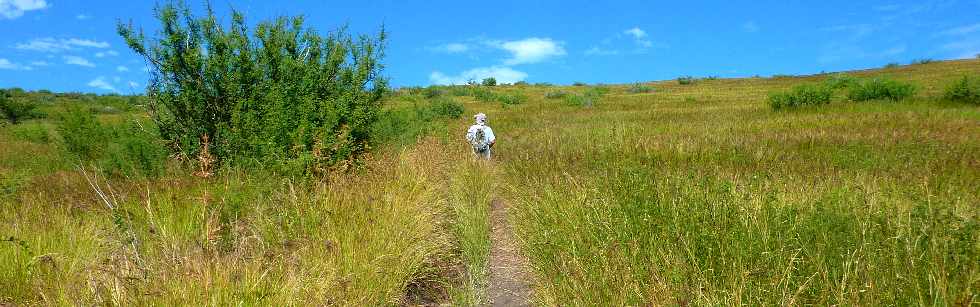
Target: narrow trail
x,y
509,281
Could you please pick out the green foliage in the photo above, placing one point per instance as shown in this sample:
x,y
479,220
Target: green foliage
x,y
587,99
876,88
404,124
686,80
800,95
520,83
16,109
964,90
579,84
922,61
482,94
35,133
511,99
892,65
839,81
555,94
280,93
82,133
122,149
491,81
638,88
433,92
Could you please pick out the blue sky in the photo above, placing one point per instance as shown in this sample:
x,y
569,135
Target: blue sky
x,y
67,45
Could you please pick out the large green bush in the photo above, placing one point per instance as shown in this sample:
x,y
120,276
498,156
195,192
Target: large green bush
x,y
965,90
872,89
490,81
801,95
276,93
16,109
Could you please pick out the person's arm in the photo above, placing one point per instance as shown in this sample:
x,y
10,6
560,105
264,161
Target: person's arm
x,y
490,137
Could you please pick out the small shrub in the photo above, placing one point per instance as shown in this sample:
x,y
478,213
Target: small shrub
x,y
922,61
556,94
965,90
892,65
489,81
82,133
579,84
483,95
578,100
638,88
35,133
686,80
872,89
800,95
511,99
16,109
446,107
710,78
134,152
520,83
839,81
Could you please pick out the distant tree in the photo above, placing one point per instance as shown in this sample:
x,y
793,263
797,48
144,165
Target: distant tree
x,y
489,81
281,92
15,109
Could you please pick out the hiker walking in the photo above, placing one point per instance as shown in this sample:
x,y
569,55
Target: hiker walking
x,y
481,137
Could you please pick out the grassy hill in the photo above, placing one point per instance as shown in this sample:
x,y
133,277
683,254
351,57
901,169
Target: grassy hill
x,y
657,193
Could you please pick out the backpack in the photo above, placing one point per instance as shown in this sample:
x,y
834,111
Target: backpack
x,y
479,140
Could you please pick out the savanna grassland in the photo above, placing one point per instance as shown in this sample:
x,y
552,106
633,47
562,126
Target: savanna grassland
x,y
658,193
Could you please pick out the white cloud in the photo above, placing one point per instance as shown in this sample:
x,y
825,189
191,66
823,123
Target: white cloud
x,y
503,74
82,17
964,30
636,32
11,9
451,48
102,54
58,45
8,65
595,50
40,63
750,27
121,68
100,83
531,50
77,60
639,36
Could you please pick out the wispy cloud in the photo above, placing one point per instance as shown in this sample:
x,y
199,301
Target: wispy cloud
x,y
102,54
101,83
121,68
82,17
40,63
58,45
77,60
639,36
8,65
502,74
963,30
12,9
595,50
451,48
750,26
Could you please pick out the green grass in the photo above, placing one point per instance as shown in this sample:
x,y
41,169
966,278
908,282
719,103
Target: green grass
x,y
689,194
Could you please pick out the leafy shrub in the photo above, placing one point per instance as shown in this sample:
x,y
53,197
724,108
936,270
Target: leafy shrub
x,y
686,80
637,88
134,152
489,81
556,94
587,99
800,95
511,99
520,83
16,109
892,65
710,78
839,81
579,84
35,133
281,92
965,90
446,107
483,95
922,61
871,89
83,134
